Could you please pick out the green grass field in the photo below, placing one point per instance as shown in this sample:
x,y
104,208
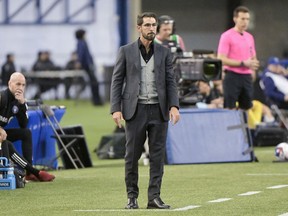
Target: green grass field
x,y
100,190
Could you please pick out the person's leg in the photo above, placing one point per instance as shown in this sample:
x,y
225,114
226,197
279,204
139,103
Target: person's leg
x,y
246,94
96,99
255,114
18,159
4,151
25,135
135,138
245,102
267,114
231,90
157,133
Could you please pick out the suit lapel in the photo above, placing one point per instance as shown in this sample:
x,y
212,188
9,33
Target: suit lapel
x,y
157,59
136,55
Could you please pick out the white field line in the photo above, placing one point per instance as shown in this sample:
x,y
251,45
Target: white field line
x,y
249,193
119,210
220,200
277,186
266,174
186,208
136,210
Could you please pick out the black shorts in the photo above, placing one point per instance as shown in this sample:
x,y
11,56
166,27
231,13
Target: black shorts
x,y
237,88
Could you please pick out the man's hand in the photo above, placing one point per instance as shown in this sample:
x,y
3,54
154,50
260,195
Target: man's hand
x,y
252,63
3,134
174,115
19,95
117,117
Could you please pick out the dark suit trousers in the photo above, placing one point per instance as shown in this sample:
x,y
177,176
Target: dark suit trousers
x,y
146,121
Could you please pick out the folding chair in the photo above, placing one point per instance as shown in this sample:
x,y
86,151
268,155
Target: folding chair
x,y
66,141
280,114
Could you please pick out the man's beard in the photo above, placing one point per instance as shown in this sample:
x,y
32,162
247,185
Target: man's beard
x,y
149,36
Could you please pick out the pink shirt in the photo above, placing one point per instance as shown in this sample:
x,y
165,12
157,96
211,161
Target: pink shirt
x,y
237,46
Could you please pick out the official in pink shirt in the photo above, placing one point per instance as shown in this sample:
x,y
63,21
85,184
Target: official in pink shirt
x,y
236,49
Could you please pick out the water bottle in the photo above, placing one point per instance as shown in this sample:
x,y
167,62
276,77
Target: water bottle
x,y
1,174
10,173
11,176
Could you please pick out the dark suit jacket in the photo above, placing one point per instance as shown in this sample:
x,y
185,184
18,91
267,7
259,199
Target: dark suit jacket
x,y
125,85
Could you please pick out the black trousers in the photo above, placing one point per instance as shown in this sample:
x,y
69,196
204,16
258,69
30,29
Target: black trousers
x,y
8,151
96,99
146,121
23,134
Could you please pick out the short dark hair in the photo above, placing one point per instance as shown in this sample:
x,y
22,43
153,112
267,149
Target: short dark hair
x,y
242,9
8,56
79,34
164,19
145,14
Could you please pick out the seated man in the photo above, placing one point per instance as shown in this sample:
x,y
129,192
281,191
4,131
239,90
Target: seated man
x,y
275,83
44,63
12,103
210,97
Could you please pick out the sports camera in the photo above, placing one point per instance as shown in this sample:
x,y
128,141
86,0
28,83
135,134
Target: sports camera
x,y
195,69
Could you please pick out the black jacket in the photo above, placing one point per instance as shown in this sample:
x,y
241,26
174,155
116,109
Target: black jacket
x,y
10,107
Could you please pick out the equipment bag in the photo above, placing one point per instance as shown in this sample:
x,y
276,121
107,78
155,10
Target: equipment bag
x,y
19,177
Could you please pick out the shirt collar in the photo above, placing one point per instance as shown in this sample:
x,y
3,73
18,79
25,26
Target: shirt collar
x,y
140,44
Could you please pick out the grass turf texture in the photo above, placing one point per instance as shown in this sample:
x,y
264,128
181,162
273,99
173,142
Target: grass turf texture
x,y
101,188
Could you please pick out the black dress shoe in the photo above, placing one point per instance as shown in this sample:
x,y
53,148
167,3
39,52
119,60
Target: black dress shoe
x,y
157,203
132,204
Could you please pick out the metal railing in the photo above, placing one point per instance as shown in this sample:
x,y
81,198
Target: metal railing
x,y
43,12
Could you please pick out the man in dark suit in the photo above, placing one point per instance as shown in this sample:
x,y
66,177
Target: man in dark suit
x,y
144,93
